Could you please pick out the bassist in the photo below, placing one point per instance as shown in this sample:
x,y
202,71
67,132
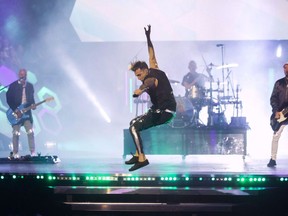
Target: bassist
x,y
278,102
20,93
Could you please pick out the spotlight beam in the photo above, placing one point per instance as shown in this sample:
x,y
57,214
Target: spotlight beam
x,y
72,71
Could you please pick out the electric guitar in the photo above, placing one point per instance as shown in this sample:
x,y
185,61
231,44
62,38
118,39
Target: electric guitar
x,y
15,118
276,123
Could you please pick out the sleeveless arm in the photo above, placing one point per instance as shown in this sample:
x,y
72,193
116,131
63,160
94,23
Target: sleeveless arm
x,y
152,58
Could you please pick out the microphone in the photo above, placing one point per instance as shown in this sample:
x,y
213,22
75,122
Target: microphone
x,y
22,79
219,45
143,90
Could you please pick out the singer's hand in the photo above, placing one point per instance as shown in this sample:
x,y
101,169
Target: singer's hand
x,y
147,32
137,92
33,106
277,115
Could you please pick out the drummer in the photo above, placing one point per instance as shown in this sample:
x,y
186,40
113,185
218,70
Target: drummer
x,y
194,82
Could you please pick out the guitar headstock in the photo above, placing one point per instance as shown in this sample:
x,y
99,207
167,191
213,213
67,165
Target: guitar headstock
x,y
49,99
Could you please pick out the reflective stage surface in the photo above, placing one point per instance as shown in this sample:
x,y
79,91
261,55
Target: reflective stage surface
x,y
169,185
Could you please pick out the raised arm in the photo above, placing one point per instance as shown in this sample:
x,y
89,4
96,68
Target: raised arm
x,y
152,58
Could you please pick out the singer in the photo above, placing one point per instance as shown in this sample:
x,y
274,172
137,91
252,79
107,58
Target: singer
x,y
156,84
21,93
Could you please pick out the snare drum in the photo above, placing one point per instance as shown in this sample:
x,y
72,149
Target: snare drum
x,y
196,92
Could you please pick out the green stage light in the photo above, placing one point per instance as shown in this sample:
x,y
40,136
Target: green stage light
x,y
39,177
169,178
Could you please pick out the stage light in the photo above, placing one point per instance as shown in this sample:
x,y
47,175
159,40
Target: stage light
x,y
71,70
279,51
39,177
169,178
130,93
283,179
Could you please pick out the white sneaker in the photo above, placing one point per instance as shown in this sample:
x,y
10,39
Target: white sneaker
x,y
16,156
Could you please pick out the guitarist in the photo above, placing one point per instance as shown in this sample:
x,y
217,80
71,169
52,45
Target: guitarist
x,y
20,93
278,101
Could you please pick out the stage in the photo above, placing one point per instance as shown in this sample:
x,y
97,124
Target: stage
x,y
169,185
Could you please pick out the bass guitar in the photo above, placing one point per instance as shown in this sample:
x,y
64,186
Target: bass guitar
x,y
276,123
15,118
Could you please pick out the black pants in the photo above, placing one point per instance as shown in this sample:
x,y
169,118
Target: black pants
x,y
150,119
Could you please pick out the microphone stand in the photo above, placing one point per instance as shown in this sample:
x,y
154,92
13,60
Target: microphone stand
x,y
5,87
222,57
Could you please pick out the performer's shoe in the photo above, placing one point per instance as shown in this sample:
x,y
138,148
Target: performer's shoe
x,y
14,156
133,160
272,163
33,154
139,165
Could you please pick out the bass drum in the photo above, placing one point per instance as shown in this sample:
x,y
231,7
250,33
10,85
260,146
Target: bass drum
x,y
184,113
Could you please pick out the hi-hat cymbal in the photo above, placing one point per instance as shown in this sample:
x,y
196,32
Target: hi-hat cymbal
x,y
173,81
227,66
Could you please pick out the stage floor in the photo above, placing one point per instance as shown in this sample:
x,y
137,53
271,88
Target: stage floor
x,y
169,185
159,165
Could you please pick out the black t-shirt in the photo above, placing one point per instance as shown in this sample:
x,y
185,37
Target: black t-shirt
x,y
161,96
190,77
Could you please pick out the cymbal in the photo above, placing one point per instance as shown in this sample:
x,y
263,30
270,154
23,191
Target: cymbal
x,y
173,81
212,65
227,66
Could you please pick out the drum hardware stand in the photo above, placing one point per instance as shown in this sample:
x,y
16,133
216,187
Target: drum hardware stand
x,y
238,101
222,57
196,121
210,105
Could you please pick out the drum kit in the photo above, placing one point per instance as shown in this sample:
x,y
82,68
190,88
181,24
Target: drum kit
x,y
216,96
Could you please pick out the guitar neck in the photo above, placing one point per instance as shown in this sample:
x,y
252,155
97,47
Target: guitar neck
x,y
30,107
285,111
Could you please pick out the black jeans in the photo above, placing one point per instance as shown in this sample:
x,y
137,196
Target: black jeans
x,y
150,119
